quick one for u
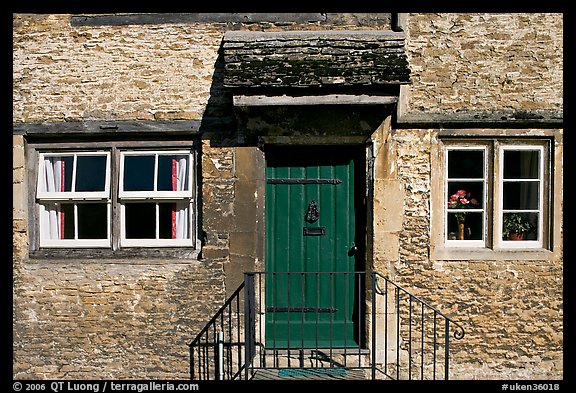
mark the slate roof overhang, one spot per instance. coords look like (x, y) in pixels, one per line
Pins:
(351, 63)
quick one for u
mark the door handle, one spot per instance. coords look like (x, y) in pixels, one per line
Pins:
(352, 251)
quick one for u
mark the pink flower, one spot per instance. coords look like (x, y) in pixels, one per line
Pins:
(461, 199)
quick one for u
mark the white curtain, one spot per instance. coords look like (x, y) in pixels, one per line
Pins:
(180, 209)
(53, 182)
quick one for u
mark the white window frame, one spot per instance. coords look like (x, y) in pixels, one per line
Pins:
(156, 197)
(135, 195)
(43, 201)
(495, 147)
(72, 195)
(74, 198)
(500, 203)
(482, 209)
(74, 243)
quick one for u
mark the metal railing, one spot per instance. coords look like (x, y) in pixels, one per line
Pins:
(287, 322)
(415, 342)
(217, 352)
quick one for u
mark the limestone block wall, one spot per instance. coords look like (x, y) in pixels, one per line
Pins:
(512, 310)
(108, 320)
(153, 72)
(478, 62)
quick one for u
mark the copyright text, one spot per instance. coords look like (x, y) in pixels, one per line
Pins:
(103, 386)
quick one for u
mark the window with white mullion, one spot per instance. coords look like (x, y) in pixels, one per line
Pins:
(150, 224)
(512, 177)
(75, 217)
(155, 171)
(156, 198)
(73, 175)
(73, 197)
(148, 174)
(115, 197)
(74, 171)
(521, 196)
(75, 224)
(465, 188)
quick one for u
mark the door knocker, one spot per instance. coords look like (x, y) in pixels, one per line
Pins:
(312, 214)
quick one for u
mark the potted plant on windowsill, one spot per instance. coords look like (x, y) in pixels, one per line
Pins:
(515, 226)
(462, 199)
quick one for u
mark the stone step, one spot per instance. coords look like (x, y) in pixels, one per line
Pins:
(336, 358)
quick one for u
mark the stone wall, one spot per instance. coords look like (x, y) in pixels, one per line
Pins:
(479, 63)
(115, 319)
(108, 320)
(152, 72)
(160, 71)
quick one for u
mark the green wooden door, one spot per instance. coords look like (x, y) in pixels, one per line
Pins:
(312, 292)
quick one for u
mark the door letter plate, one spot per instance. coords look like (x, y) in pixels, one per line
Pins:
(314, 231)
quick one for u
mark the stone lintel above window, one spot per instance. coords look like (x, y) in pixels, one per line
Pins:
(230, 20)
(111, 129)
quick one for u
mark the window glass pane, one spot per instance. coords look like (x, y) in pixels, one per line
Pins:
(172, 173)
(138, 173)
(67, 221)
(465, 195)
(520, 226)
(521, 164)
(167, 220)
(92, 220)
(140, 220)
(465, 226)
(520, 195)
(466, 164)
(90, 173)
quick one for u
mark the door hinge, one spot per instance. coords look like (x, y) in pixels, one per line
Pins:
(304, 181)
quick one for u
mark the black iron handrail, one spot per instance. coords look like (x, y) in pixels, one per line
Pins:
(436, 320)
(222, 331)
(408, 338)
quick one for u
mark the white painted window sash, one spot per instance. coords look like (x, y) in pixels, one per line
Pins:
(50, 215)
(156, 197)
(46, 241)
(155, 194)
(43, 194)
(500, 203)
(157, 242)
(449, 214)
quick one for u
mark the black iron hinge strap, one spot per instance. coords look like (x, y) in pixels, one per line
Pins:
(304, 181)
(301, 309)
